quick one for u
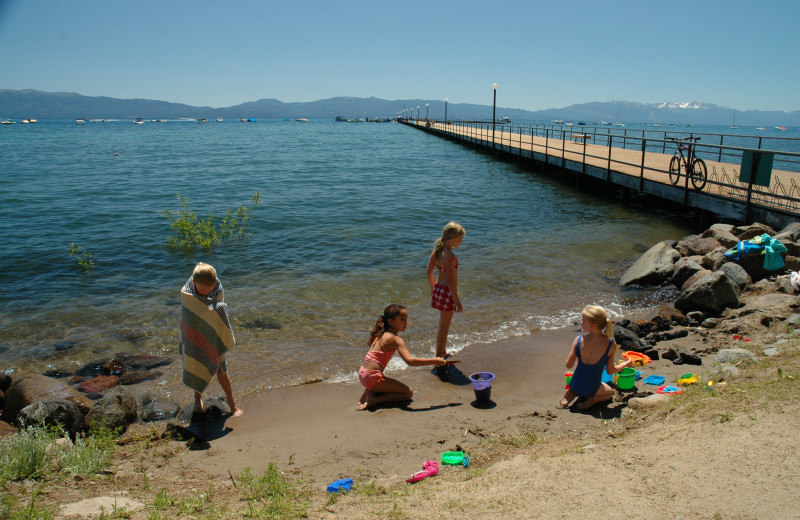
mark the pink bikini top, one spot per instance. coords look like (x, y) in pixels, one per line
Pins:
(380, 357)
(444, 267)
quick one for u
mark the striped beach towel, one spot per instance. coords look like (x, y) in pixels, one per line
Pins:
(206, 335)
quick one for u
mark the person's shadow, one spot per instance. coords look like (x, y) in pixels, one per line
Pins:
(202, 428)
(406, 406)
(451, 374)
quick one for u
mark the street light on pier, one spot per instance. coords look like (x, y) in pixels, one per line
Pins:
(445, 111)
(426, 111)
(494, 107)
(417, 112)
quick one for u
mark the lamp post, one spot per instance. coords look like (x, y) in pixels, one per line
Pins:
(426, 111)
(417, 112)
(494, 107)
(445, 111)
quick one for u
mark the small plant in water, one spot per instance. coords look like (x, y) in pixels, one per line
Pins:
(191, 232)
(84, 257)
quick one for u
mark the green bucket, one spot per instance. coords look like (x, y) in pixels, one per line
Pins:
(626, 378)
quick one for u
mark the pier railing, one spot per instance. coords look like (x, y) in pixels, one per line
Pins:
(645, 154)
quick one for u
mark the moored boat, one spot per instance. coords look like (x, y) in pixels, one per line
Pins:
(80, 121)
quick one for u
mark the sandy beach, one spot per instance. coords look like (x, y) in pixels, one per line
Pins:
(316, 428)
(731, 453)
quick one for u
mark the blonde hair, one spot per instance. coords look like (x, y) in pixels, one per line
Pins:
(204, 274)
(599, 317)
(451, 230)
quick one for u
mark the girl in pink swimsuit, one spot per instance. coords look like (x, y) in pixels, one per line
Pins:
(444, 288)
(384, 342)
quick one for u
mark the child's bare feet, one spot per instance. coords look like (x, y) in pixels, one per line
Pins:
(564, 402)
(237, 412)
(361, 406)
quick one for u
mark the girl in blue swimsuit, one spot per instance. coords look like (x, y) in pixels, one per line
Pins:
(593, 351)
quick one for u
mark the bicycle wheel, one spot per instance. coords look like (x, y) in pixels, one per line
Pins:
(675, 169)
(699, 174)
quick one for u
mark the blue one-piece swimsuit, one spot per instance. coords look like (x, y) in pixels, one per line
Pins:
(587, 379)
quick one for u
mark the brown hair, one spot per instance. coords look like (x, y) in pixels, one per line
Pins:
(204, 274)
(380, 326)
(451, 230)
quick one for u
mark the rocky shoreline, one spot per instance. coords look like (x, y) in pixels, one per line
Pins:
(719, 298)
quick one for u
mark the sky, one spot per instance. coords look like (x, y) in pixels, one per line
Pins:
(542, 54)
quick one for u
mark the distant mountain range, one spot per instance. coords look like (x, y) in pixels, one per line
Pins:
(17, 104)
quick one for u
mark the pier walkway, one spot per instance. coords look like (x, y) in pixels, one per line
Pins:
(641, 163)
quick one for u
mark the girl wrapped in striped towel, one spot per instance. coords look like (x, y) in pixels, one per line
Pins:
(206, 335)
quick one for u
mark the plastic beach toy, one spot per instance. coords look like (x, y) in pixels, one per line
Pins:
(626, 378)
(452, 458)
(430, 468)
(687, 379)
(568, 376)
(343, 484)
(669, 390)
(482, 385)
(638, 358)
(653, 380)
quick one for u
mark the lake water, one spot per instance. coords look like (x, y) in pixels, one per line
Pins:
(348, 217)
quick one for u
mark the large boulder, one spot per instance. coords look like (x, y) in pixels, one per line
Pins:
(652, 268)
(5, 381)
(6, 429)
(753, 230)
(711, 294)
(626, 338)
(684, 269)
(116, 410)
(53, 412)
(721, 235)
(30, 388)
(736, 273)
(697, 246)
(692, 279)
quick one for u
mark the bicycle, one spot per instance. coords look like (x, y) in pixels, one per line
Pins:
(693, 167)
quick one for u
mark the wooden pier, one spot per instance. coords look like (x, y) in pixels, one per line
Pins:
(639, 164)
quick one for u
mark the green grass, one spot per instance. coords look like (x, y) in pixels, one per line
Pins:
(274, 496)
(41, 453)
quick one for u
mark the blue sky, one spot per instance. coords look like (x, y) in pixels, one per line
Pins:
(542, 53)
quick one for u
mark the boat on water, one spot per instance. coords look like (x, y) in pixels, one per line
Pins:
(780, 128)
(219, 120)
(7, 122)
(32, 120)
(302, 119)
(341, 119)
(202, 120)
(139, 121)
(80, 121)
(761, 128)
(355, 120)
(558, 121)
(504, 119)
